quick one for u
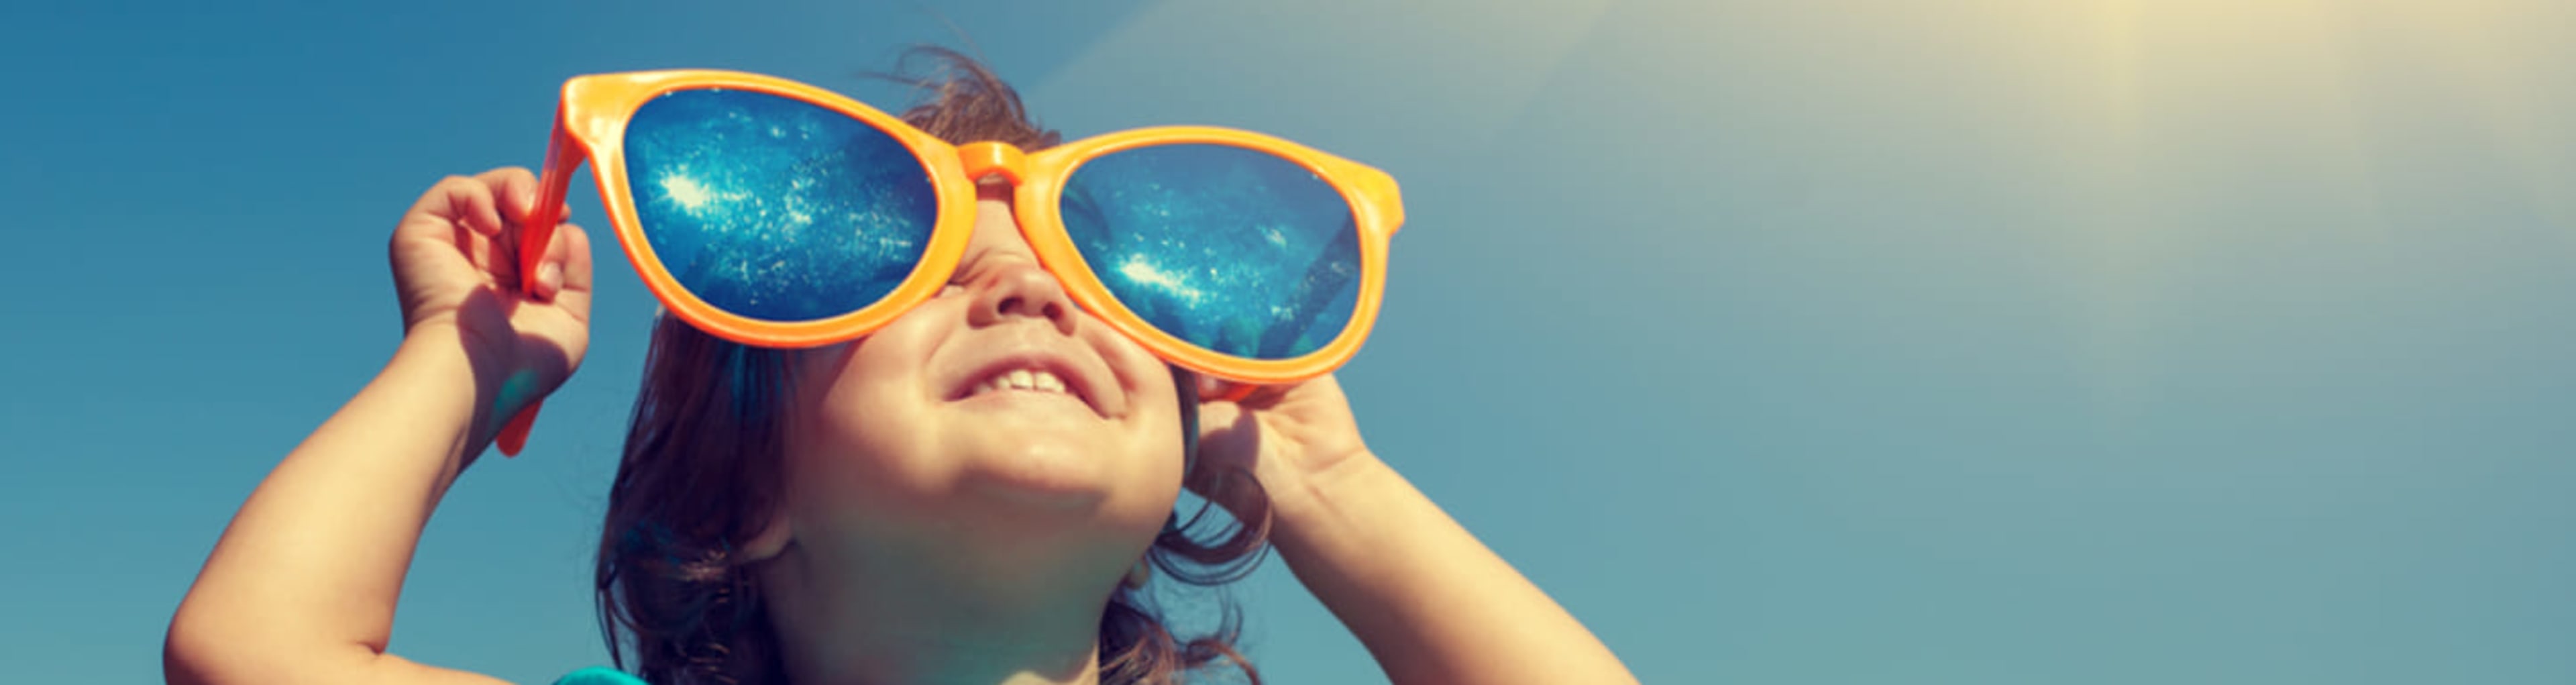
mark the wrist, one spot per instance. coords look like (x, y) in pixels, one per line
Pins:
(449, 343)
(1332, 506)
(448, 362)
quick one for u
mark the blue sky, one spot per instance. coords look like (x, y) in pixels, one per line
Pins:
(2103, 341)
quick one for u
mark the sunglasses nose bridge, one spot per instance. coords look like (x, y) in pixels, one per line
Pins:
(988, 158)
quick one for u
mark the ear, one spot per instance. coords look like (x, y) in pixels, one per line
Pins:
(772, 538)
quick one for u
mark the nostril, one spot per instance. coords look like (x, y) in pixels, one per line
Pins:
(1015, 304)
(1020, 292)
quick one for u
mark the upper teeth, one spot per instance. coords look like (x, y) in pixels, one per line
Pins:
(1023, 379)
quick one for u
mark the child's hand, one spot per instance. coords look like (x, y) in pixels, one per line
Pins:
(456, 270)
(1293, 438)
(1430, 601)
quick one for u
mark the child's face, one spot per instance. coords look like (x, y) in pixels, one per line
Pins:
(926, 437)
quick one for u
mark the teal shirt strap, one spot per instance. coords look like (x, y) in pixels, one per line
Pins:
(599, 675)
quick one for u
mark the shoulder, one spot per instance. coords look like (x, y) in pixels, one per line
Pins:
(599, 675)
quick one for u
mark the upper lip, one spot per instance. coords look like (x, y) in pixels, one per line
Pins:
(1084, 385)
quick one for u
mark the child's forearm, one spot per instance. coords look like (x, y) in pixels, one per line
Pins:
(302, 586)
(1429, 601)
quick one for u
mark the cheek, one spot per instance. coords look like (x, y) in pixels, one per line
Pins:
(1155, 423)
(841, 443)
(842, 417)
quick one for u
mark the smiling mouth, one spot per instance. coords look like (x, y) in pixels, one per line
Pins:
(1040, 380)
(1027, 380)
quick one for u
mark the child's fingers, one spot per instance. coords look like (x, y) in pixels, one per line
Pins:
(515, 188)
(463, 201)
(513, 191)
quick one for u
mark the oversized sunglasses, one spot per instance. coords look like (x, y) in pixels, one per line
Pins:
(778, 214)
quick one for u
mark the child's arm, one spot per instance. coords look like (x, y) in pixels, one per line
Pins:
(1432, 603)
(302, 586)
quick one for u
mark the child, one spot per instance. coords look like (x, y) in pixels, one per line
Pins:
(975, 492)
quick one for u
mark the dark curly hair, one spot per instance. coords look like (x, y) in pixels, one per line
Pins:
(704, 461)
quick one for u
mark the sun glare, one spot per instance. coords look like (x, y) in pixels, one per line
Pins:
(686, 191)
(1145, 273)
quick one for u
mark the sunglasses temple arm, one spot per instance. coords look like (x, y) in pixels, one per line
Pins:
(563, 157)
(1234, 392)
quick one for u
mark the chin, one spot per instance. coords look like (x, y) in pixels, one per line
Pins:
(1053, 477)
(1059, 485)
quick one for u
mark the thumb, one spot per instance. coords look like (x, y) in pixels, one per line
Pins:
(1227, 433)
(564, 276)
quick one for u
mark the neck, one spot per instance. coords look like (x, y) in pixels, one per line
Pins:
(908, 624)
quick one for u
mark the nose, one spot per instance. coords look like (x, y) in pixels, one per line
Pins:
(1021, 289)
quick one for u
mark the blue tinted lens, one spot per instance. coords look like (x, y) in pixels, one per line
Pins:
(1232, 249)
(774, 208)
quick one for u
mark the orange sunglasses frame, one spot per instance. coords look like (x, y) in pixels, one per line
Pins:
(591, 124)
